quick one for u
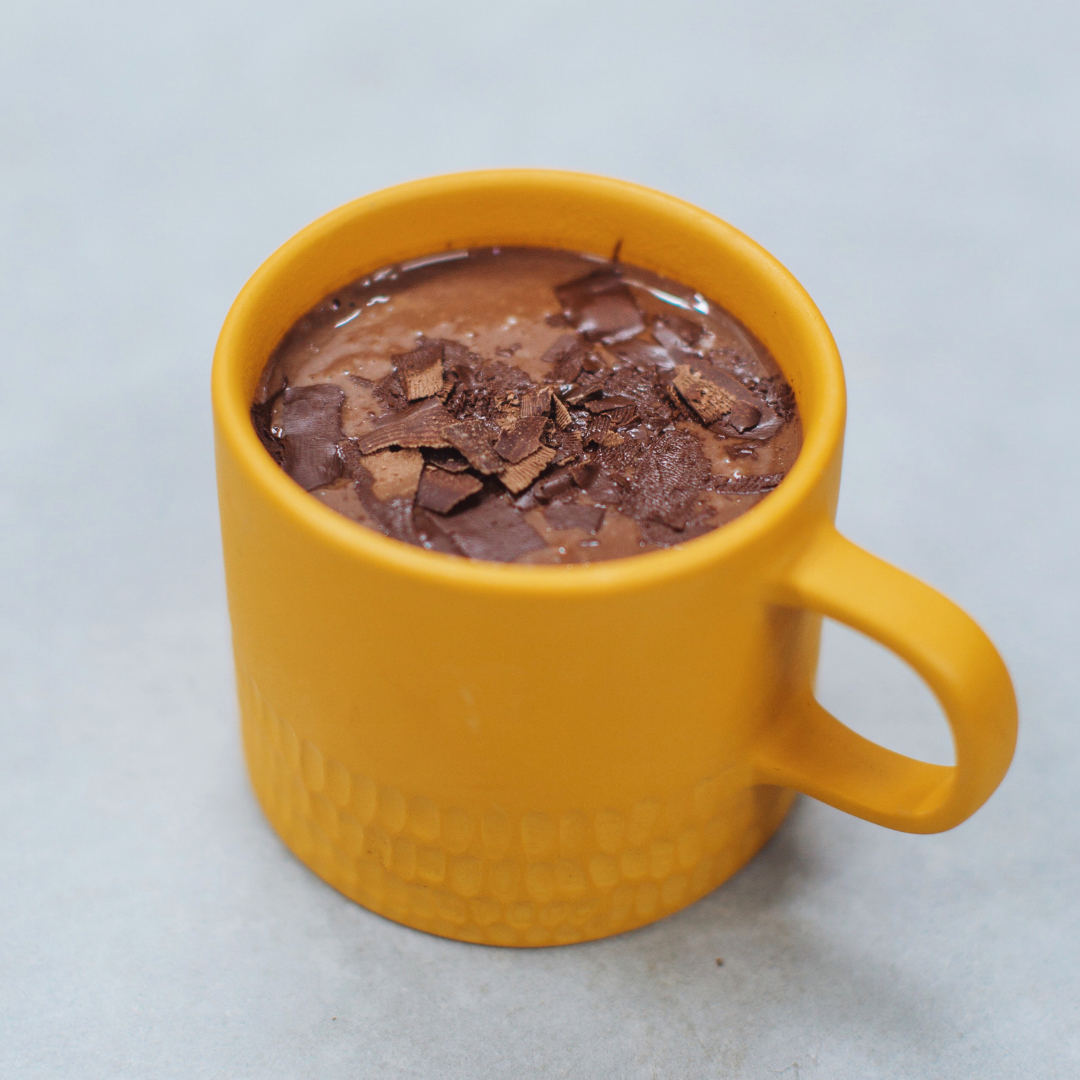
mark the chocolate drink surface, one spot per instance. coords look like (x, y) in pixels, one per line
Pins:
(527, 405)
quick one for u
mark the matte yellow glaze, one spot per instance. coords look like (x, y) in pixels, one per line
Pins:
(526, 755)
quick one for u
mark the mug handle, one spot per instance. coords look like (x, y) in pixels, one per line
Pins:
(813, 752)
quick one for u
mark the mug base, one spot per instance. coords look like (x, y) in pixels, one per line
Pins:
(432, 869)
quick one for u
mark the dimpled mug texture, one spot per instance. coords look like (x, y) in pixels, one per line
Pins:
(526, 755)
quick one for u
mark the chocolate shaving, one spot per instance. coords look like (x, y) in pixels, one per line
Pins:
(448, 460)
(563, 419)
(644, 354)
(663, 535)
(391, 392)
(475, 439)
(587, 386)
(432, 533)
(626, 416)
(521, 440)
(493, 529)
(677, 332)
(609, 402)
(442, 491)
(704, 396)
(668, 479)
(425, 424)
(311, 430)
(262, 419)
(747, 485)
(536, 401)
(520, 475)
(572, 515)
(568, 446)
(394, 474)
(565, 345)
(601, 307)
(559, 483)
(585, 473)
(421, 371)
(597, 428)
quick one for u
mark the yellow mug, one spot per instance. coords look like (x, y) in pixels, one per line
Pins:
(530, 755)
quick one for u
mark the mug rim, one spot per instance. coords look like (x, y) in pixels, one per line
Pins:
(821, 438)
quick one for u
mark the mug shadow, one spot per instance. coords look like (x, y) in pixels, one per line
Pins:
(785, 972)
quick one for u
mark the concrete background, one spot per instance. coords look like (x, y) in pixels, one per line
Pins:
(915, 165)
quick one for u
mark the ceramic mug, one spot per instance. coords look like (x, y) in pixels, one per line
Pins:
(527, 755)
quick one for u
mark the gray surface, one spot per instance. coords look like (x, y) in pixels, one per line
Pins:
(916, 168)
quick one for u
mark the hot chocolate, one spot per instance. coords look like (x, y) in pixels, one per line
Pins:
(527, 405)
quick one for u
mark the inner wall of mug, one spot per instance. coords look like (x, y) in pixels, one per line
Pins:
(548, 209)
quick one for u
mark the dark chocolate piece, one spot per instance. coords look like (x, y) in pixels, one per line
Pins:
(391, 392)
(563, 419)
(421, 371)
(433, 534)
(311, 430)
(596, 429)
(669, 477)
(519, 476)
(588, 385)
(261, 418)
(568, 446)
(708, 400)
(559, 483)
(677, 333)
(601, 307)
(608, 402)
(747, 485)
(644, 354)
(657, 532)
(449, 460)
(522, 439)
(493, 529)
(476, 441)
(442, 491)
(536, 401)
(572, 515)
(424, 424)
(585, 473)
(563, 346)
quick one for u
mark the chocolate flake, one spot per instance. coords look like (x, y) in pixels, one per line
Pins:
(442, 491)
(585, 473)
(597, 428)
(564, 346)
(421, 371)
(559, 483)
(609, 402)
(587, 386)
(521, 440)
(493, 529)
(747, 485)
(448, 460)
(424, 424)
(311, 430)
(261, 419)
(536, 401)
(708, 400)
(520, 475)
(395, 474)
(475, 440)
(677, 333)
(568, 446)
(601, 307)
(572, 515)
(669, 478)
